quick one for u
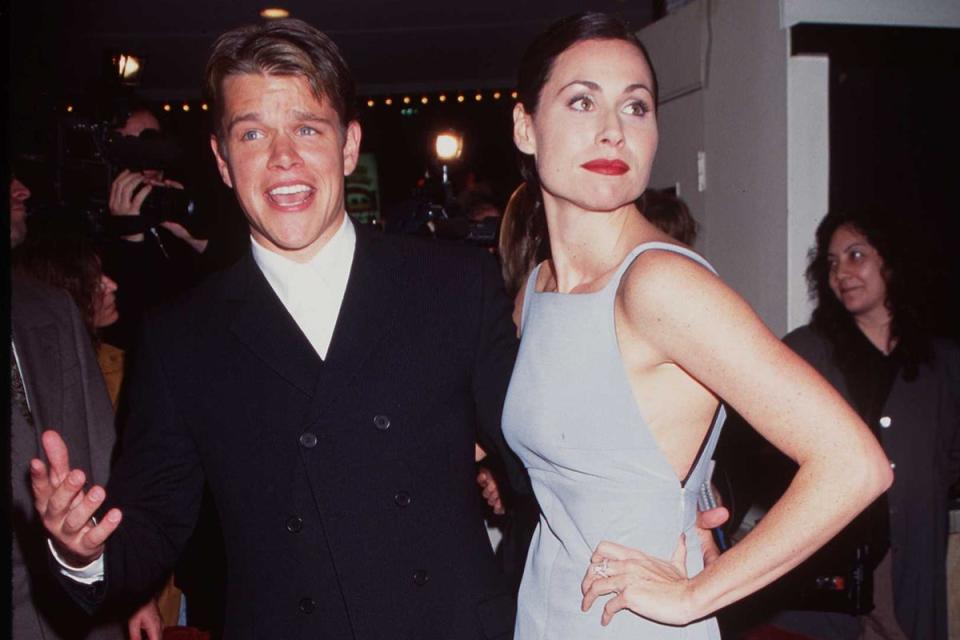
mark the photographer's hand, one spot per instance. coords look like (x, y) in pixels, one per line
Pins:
(130, 189)
(127, 193)
(197, 244)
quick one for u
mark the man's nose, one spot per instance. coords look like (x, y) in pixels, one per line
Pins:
(283, 153)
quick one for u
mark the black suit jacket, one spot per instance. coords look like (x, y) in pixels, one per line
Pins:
(346, 488)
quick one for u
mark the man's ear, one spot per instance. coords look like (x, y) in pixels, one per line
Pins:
(221, 162)
(351, 147)
(523, 135)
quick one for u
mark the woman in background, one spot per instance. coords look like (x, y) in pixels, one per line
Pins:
(628, 340)
(867, 337)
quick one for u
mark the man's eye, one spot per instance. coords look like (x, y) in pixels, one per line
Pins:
(251, 135)
(307, 131)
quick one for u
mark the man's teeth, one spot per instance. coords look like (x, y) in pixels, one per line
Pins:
(289, 190)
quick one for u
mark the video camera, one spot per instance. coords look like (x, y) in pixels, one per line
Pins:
(91, 155)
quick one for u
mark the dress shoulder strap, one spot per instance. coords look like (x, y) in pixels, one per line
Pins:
(664, 246)
(528, 293)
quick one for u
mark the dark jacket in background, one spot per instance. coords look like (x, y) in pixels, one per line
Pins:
(67, 394)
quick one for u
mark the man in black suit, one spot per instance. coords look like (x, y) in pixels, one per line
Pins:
(328, 388)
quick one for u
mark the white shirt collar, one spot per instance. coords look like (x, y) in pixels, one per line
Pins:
(312, 292)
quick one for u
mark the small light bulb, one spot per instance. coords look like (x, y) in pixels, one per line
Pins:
(166, 107)
(274, 13)
(460, 98)
(442, 97)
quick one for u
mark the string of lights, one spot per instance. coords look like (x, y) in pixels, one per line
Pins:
(371, 102)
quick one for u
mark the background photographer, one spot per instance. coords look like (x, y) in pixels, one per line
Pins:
(152, 254)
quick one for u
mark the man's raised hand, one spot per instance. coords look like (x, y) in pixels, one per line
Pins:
(65, 509)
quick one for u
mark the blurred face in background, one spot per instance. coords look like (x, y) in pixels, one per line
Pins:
(19, 194)
(105, 303)
(136, 124)
(857, 273)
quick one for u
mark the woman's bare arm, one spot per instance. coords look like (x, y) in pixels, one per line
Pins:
(686, 316)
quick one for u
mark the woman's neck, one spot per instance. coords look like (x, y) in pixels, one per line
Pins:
(585, 246)
(875, 325)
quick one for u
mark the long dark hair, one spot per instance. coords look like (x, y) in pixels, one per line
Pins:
(526, 242)
(902, 275)
(61, 253)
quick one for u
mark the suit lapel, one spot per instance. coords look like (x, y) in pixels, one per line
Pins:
(264, 326)
(366, 316)
(40, 364)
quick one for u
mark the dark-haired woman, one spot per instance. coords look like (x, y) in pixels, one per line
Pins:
(628, 341)
(867, 338)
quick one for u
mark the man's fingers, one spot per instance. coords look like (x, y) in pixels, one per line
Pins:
(40, 482)
(57, 455)
(97, 536)
(140, 197)
(64, 495)
(80, 515)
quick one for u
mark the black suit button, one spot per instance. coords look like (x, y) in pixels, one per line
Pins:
(381, 422)
(294, 524)
(402, 498)
(421, 577)
(308, 440)
(307, 605)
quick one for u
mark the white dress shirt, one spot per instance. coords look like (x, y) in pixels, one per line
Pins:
(312, 293)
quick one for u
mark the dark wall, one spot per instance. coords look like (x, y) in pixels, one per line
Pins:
(895, 135)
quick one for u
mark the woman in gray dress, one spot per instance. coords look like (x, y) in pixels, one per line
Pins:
(629, 341)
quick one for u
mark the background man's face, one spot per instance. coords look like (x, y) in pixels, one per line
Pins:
(285, 154)
(137, 123)
(19, 194)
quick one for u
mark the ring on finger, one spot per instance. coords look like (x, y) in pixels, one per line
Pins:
(602, 569)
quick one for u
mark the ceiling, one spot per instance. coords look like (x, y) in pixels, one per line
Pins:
(423, 45)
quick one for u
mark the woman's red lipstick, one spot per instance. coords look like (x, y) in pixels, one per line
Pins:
(607, 167)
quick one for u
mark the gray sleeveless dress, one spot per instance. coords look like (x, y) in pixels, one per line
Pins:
(596, 469)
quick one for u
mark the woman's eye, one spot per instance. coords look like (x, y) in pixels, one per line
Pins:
(638, 108)
(581, 103)
(856, 255)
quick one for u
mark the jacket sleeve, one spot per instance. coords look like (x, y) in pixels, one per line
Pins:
(495, 355)
(157, 481)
